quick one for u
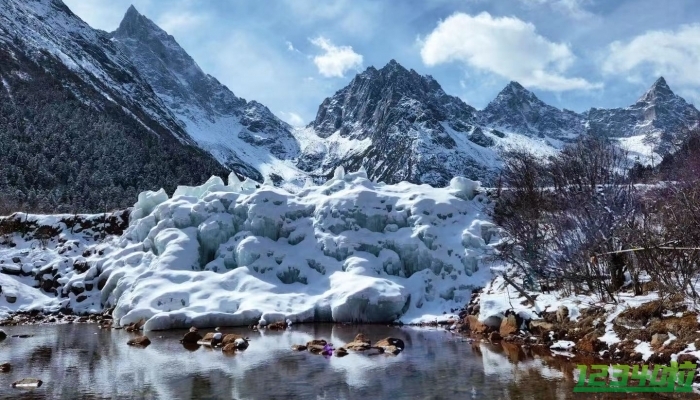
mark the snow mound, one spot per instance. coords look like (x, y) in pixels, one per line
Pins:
(349, 250)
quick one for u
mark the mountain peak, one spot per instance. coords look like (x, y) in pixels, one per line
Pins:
(514, 85)
(517, 109)
(659, 90)
(134, 21)
(131, 13)
(393, 65)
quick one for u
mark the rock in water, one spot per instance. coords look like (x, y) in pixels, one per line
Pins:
(3, 335)
(6, 367)
(241, 344)
(230, 338)
(28, 383)
(298, 347)
(316, 342)
(191, 337)
(509, 326)
(141, 341)
(341, 352)
(360, 343)
(390, 341)
(390, 350)
(277, 326)
(229, 348)
(316, 348)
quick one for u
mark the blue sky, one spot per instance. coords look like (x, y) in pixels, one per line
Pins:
(291, 54)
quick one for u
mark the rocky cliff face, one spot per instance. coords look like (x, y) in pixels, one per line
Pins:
(240, 134)
(398, 125)
(80, 128)
(516, 109)
(660, 115)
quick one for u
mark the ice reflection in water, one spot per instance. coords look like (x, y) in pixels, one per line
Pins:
(84, 362)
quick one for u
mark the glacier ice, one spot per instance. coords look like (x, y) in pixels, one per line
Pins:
(349, 250)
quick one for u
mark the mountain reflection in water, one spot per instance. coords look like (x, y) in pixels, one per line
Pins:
(83, 362)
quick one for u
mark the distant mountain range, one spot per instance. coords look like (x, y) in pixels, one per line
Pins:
(91, 118)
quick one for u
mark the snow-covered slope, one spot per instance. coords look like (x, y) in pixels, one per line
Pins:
(400, 125)
(348, 250)
(657, 120)
(240, 134)
(48, 26)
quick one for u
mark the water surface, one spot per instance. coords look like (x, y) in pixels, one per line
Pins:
(80, 361)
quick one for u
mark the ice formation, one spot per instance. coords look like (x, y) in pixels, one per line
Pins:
(349, 250)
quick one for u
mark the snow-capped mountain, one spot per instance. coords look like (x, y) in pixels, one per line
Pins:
(516, 109)
(40, 28)
(398, 125)
(240, 134)
(658, 119)
(80, 128)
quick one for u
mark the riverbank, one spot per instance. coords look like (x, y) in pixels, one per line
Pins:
(637, 329)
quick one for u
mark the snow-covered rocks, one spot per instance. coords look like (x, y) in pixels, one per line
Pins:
(349, 250)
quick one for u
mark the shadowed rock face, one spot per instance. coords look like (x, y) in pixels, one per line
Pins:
(210, 112)
(516, 109)
(409, 121)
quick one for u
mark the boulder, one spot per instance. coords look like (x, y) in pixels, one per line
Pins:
(213, 339)
(509, 326)
(562, 314)
(389, 349)
(3, 335)
(590, 343)
(27, 383)
(299, 347)
(230, 338)
(390, 341)
(316, 348)
(341, 352)
(191, 337)
(5, 367)
(239, 344)
(539, 327)
(277, 326)
(229, 348)
(136, 326)
(141, 341)
(475, 325)
(316, 342)
(361, 343)
(687, 357)
(658, 339)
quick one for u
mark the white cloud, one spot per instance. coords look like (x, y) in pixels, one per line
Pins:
(506, 46)
(335, 60)
(573, 8)
(673, 54)
(292, 118)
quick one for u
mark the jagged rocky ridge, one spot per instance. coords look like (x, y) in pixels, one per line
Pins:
(80, 129)
(142, 110)
(660, 116)
(241, 135)
(398, 125)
